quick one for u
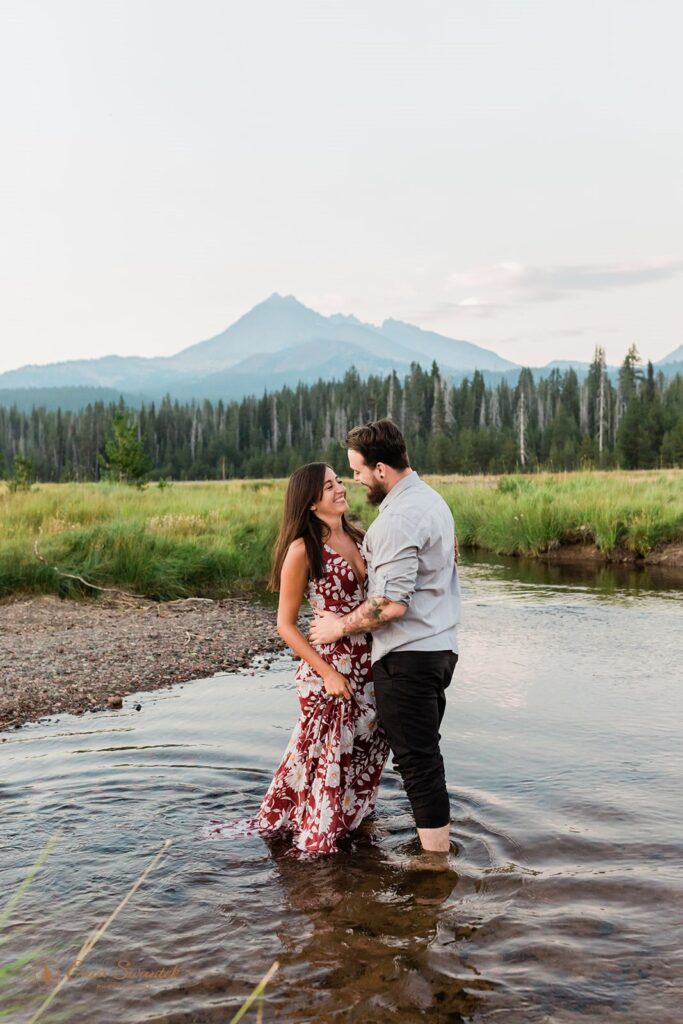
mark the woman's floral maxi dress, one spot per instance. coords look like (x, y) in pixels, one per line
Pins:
(328, 778)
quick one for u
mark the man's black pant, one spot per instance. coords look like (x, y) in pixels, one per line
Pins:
(409, 690)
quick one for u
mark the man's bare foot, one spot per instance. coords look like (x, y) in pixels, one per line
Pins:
(430, 861)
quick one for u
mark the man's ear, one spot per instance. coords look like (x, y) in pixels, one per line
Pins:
(380, 469)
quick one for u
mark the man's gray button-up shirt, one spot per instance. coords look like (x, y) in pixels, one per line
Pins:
(410, 551)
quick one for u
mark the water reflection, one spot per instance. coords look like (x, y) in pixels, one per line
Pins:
(599, 578)
(563, 897)
(376, 930)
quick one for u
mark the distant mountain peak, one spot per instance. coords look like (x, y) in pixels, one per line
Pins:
(280, 330)
(277, 301)
(344, 318)
(673, 357)
(447, 352)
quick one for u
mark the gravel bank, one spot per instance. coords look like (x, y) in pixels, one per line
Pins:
(72, 656)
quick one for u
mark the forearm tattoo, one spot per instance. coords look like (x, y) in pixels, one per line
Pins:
(366, 617)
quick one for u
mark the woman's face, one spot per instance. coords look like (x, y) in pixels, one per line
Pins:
(332, 501)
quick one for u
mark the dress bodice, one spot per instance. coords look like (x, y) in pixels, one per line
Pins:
(339, 589)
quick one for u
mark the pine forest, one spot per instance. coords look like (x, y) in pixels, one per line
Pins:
(556, 423)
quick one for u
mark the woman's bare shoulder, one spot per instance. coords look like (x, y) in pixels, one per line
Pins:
(295, 563)
(296, 552)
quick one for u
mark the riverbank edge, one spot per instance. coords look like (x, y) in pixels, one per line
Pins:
(666, 555)
(64, 656)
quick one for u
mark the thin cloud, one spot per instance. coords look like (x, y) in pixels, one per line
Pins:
(471, 306)
(550, 284)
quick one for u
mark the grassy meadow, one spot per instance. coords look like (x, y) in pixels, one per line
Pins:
(211, 538)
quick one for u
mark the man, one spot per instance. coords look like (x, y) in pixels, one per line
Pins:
(412, 608)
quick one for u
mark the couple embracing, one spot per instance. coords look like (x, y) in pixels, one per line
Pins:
(380, 653)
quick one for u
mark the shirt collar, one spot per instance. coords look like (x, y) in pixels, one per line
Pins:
(408, 481)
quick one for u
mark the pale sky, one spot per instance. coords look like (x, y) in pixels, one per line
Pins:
(501, 171)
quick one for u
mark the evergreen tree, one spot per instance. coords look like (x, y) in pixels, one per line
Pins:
(672, 446)
(124, 457)
(23, 474)
(630, 374)
(467, 427)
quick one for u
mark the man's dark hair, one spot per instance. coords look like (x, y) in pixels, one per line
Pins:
(379, 441)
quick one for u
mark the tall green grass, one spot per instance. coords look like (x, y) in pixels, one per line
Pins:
(530, 515)
(210, 539)
(164, 543)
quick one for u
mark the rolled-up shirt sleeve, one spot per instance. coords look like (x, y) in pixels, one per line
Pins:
(394, 560)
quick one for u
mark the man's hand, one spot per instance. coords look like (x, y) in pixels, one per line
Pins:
(457, 548)
(373, 613)
(326, 628)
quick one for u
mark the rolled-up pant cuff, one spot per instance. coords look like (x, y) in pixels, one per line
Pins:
(409, 691)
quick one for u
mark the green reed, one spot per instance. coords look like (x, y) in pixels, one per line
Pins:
(530, 515)
(210, 539)
(10, 969)
(164, 543)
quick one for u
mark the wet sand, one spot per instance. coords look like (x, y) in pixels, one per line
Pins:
(60, 656)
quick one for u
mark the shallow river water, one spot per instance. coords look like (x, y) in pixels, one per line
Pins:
(564, 897)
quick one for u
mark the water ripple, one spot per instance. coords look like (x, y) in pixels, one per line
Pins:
(562, 900)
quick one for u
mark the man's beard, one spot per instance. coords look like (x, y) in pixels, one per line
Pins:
(376, 494)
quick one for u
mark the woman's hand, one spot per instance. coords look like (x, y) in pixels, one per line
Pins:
(337, 685)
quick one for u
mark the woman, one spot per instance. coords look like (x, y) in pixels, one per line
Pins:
(327, 781)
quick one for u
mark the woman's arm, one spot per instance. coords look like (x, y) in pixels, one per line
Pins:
(293, 581)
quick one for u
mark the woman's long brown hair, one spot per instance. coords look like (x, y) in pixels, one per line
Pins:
(304, 488)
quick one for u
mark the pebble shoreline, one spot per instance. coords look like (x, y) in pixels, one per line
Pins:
(65, 656)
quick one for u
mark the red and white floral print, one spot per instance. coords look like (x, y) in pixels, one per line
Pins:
(327, 781)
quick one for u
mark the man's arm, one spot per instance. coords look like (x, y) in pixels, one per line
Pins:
(395, 565)
(371, 614)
